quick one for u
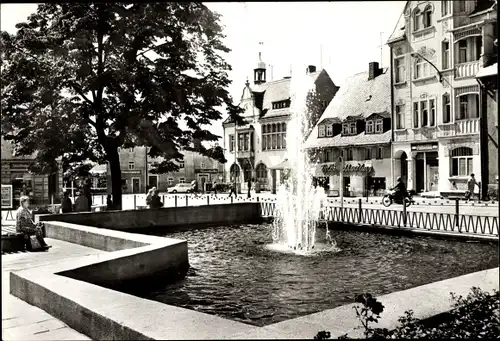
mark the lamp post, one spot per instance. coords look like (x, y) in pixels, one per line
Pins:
(416, 54)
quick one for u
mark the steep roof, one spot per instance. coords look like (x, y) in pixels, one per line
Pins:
(359, 98)
(399, 30)
(345, 141)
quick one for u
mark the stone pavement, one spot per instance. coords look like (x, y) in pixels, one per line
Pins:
(22, 321)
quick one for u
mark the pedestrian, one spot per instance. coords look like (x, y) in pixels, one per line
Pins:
(249, 184)
(81, 202)
(109, 203)
(150, 195)
(66, 204)
(471, 185)
(215, 188)
(32, 233)
(87, 192)
(232, 189)
(194, 188)
(155, 200)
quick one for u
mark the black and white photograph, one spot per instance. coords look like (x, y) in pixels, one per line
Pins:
(249, 170)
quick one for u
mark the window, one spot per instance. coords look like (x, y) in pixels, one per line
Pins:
(261, 172)
(328, 155)
(274, 136)
(246, 146)
(427, 17)
(181, 164)
(400, 117)
(379, 126)
(131, 165)
(415, 115)
(352, 128)
(368, 153)
(461, 161)
(380, 153)
(349, 154)
(369, 127)
(281, 104)
(446, 108)
(329, 130)
(461, 6)
(399, 69)
(424, 113)
(446, 55)
(131, 150)
(231, 143)
(417, 17)
(444, 8)
(432, 113)
(462, 51)
(464, 108)
(240, 142)
(170, 181)
(345, 129)
(182, 180)
(422, 69)
(468, 107)
(321, 131)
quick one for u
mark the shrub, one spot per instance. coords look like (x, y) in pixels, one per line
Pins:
(476, 316)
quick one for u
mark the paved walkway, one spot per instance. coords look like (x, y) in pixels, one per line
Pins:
(22, 321)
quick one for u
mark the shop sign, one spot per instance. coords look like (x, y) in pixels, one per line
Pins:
(211, 171)
(6, 196)
(359, 168)
(424, 147)
(131, 172)
(15, 165)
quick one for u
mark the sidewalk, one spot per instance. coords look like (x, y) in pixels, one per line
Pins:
(22, 321)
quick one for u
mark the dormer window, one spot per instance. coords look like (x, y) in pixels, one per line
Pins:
(379, 126)
(281, 104)
(329, 130)
(369, 127)
(349, 128)
(321, 131)
(375, 126)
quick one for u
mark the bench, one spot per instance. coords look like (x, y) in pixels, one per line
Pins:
(12, 241)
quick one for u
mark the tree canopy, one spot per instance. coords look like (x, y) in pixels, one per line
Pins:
(80, 80)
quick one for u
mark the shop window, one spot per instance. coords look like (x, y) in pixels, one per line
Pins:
(461, 161)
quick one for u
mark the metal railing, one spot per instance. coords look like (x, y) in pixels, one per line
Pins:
(447, 222)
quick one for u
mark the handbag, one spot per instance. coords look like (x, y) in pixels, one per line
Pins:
(34, 243)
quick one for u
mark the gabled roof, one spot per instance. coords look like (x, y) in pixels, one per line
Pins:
(358, 97)
(333, 120)
(384, 114)
(362, 139)
(399, 30)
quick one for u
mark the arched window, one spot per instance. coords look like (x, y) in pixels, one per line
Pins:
(417, 17)
(461, 161)
(235, 172)
(261, 172)
(427, 17)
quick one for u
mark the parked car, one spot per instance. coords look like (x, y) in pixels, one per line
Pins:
(180, 188)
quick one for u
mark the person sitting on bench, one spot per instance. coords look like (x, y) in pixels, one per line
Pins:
(32, 232)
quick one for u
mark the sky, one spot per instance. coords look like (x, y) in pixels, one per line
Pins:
(341, 36)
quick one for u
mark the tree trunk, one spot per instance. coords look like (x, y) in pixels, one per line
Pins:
(116, 178)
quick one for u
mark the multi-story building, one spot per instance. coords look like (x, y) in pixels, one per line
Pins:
(437, 48)
(136, 178)
(257, 150)
(355, 126)
(42, 189)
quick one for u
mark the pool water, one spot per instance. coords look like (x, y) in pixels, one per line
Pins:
(235, 275)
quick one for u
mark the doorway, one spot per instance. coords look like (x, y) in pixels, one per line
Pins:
(404, 168)
(203, 179)
(136, 185)
(347, 186)
(419, 175)
(153, 181)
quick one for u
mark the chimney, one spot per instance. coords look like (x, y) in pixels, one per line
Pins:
(310, 69)
(373, 70)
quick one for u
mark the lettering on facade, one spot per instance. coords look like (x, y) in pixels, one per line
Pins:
(212, 171)
(14, 165)
(424, 147)
(359, 168)
(131, 172)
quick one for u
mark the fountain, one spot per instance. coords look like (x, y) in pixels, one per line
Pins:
(299, 203)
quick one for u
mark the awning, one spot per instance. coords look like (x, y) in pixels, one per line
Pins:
(283, 165)
(99, 170)
(491, 70)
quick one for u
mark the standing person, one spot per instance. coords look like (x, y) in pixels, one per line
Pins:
(249, 185)
(81, 202)
(87, 192)
(215, 188)
(471, 185)
(194, 188)
(33, 233)
(155, 200)
(232, 189)
(109, 203)
(66, 204)
(149, 197)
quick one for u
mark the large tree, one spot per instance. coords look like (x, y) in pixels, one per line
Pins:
(80, 80)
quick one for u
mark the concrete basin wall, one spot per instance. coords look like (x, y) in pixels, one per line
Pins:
(164, 217)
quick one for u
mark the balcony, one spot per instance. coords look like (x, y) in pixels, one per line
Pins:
(245, 154)
(467, 70)
(468, 126)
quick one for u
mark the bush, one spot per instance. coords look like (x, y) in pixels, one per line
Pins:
(476, 316)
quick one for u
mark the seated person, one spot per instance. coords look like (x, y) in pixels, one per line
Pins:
(400, 189)
(155, 200)
(26, 225)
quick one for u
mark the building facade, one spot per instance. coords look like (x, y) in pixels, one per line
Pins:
(353, 137)
(257, 150)
(136, 178)
(43, 189)
(437, 48)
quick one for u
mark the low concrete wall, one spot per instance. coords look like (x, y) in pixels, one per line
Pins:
(164, 217)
